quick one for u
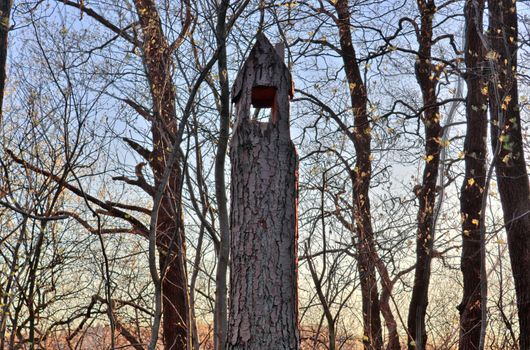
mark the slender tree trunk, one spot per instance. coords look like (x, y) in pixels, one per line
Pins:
(220, 313)
(5, 14)
(317, 280)
(475, 177)
(384, 303)
(361, 138)
(427, 76)
(512, 176)
(203, 210)
(263, 272)
(175, 299)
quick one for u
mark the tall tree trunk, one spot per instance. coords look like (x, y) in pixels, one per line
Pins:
(263, 272)
(427, 75)
(474, 182)
(512, 176)
(170, 230)
(220, 313)
(372, 336)
(175, 299)
(5, 14)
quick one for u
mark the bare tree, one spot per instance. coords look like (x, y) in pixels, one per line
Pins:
(507, 143)
(427, 75)
(361, 138)
(220, 315)
(474, 182)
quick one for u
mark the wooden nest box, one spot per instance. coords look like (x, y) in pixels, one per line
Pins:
(264, 81)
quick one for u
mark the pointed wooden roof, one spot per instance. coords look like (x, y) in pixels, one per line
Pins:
(264, 67)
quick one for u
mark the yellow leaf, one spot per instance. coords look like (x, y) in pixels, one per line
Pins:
(492, 56)
(475, 222)
(471, 181)
(506, 102)
(428, 158)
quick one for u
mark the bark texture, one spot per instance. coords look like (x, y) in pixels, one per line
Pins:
(475, 153)
(263, 275)
(427, 75)
(372, 337)
(512, 176)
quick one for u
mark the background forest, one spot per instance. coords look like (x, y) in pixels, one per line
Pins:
(410, 119)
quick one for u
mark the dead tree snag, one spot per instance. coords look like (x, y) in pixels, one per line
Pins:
(263, 275)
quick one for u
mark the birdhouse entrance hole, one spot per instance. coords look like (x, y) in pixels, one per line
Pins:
(263, 96)
(264, 103)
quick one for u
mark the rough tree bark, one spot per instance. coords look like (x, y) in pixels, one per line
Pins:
(372, 337)
(506, 138)
(475, 153)
(427, 75)
(263, 274)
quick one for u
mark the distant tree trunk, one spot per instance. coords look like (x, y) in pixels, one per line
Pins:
(475, 153)
(5, 14)
(372, 337)
(220, 313)
(427, 75)
(263, 272)
(512, 176)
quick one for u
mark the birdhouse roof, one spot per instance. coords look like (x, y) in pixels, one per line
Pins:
(264, 67)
